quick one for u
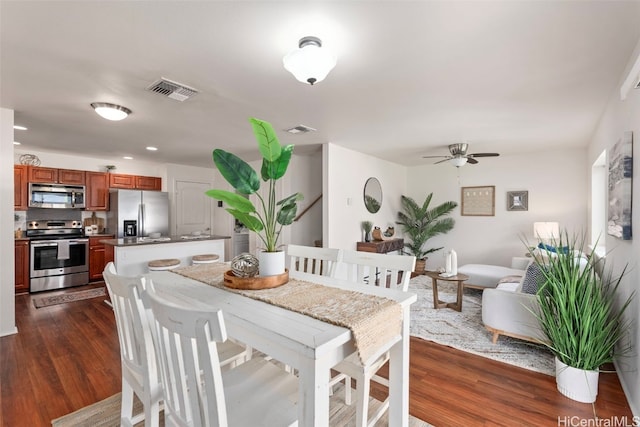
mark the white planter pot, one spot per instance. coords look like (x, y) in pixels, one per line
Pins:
(271, 263)
(577, 384)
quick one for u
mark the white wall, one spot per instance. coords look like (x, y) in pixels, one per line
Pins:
(621, 116)
(345, 173)
(557, 185)
(7, 275)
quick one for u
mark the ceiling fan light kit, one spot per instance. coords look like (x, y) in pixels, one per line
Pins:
(310, 63)
(459, 156)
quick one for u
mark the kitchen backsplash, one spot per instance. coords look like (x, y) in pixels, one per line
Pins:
(21, 217)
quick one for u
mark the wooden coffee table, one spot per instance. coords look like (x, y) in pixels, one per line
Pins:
(458, 278)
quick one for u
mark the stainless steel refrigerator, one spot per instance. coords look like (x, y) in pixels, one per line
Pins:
(136, 213)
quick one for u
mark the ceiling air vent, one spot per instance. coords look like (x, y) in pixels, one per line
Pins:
(172, 90)
(301, 129)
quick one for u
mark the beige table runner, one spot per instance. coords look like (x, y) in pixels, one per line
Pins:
(372, 320)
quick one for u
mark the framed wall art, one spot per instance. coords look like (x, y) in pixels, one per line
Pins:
(517, 200)
(620, 177)
(478, 201)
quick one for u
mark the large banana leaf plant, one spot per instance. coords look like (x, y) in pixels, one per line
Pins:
(272, 215)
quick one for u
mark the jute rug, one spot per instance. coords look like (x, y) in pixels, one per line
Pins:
(47, 300)
(465, 330)
(106, 413)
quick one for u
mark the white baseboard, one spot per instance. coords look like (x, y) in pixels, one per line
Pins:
(9, 332)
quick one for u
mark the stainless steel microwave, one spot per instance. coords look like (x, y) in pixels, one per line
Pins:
(59, 196)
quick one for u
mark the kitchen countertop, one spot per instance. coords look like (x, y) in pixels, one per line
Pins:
(135, 241)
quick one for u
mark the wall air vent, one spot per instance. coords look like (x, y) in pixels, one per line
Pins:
(172, 90)
(300, 129)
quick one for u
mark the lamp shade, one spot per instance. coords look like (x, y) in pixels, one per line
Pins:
(546, 230)
(310, 63)
(458, 161)
(111, 111)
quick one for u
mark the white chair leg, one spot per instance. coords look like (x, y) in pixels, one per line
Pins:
(151, 414)
(362, 403)
(347, 390)
(126, 409)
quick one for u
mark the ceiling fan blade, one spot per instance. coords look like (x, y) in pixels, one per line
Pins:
(483, 155)
(442, 161)
(433, 157)
(471, 160)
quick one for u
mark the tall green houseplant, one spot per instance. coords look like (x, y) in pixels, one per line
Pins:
(271, 215)
(420, 223)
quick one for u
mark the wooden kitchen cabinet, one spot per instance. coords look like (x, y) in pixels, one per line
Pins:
(20, 187)
(22, 266)
(135, 182)
(70, 176)
(97, 192)
(45, 175)
(99, 256)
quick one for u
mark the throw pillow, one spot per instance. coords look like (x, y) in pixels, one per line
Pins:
(533, 278)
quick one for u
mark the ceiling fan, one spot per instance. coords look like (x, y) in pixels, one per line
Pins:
(459, 156)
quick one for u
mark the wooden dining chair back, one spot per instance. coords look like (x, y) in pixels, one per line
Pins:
(392, 271)
(387, 270)
(196, 391)
(139, 369)
(313, 260)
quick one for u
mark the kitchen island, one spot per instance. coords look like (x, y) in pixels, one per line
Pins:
(131, 254)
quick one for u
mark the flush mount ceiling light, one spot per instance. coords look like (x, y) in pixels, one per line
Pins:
(310, 63)
(111, 111)
(18, 127)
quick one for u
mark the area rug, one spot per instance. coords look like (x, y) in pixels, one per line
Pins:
(106, 413)
(465, 330)
(45, 301)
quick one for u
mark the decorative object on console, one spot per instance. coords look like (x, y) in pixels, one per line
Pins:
(580, 316)
(372, 195)
(367, 226)
(517, 200)
(378, 234)
(420, 223)
(29, 159)
(478, 201)
(274, 214)
(620, 184)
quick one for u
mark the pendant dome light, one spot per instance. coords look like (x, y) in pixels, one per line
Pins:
(111, 111)
(310, 63)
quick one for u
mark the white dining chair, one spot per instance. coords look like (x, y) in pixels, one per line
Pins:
(139, 370)
(313, 260)
(371, 269)
(196, 391)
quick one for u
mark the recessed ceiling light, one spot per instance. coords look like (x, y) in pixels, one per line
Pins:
(19, 127)
(152, 148)
(128, 158)
(16, 143)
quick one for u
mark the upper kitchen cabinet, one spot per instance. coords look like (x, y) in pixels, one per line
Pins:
(97, 194)
(20, 187)
(135, 182)
(53, 175)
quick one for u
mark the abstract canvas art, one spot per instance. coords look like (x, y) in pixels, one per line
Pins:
(620, 182)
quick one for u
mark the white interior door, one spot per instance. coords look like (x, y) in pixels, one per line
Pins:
(193, 207)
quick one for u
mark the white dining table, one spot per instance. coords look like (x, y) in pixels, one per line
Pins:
(309, 345)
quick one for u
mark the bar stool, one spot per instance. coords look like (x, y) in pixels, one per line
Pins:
(204, 259)
(163, 264)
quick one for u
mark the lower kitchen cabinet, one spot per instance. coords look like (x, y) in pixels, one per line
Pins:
(99, 256)
(22, 266)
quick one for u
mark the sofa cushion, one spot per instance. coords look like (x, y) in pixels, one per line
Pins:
(533, 279)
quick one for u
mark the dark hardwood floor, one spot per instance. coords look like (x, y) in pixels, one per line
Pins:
(67, 356)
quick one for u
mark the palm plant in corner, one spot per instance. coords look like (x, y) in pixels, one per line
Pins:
(420, 223)
(581, 315)
(268, 219)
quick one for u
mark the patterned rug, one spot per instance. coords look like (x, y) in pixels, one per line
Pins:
(45, 301)
(106, 413)
(465, 330)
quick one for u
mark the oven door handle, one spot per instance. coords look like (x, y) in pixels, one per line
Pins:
(55, 242)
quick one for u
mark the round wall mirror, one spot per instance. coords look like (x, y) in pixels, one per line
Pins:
(372, 195)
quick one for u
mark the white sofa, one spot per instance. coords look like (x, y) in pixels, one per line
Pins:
(508, 310)
(483, 276)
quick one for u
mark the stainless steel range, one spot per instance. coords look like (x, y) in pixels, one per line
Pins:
(59, 254)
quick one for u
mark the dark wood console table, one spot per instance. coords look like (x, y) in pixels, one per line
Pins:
(381, 246)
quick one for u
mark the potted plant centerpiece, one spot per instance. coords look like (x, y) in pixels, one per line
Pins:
(271, 215)
(420, 223)
(578, 315)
